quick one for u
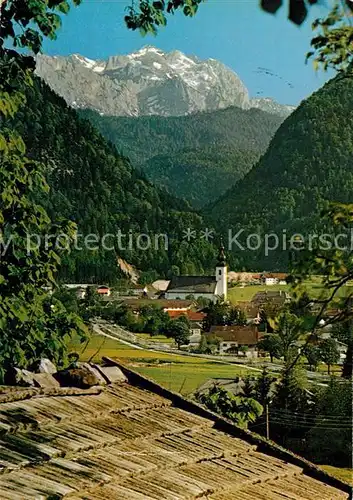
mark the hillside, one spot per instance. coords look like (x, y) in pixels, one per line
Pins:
(197, 156)
(102, 192)
(309, 162)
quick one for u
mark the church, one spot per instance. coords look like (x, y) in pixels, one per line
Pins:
(209, 287)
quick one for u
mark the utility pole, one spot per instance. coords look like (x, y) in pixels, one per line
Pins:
(267, 422)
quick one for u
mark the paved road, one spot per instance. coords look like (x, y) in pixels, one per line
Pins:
(102, 330)
(118, 333)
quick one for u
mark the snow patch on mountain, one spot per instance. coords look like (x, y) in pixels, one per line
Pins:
(271, 106)
(149, 81)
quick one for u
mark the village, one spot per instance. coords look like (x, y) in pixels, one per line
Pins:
(140, 357)
(174, 383)
(226, 314)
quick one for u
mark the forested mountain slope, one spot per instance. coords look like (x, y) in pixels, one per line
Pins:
(308, 164)
(196, 156)
(102, 192)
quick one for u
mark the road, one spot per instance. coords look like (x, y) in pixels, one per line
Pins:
(118, 333)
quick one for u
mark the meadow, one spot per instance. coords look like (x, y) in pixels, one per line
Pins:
(176, 372)
(246, 293)
(314, 288)
(187, 377)
(340, 473)
(159, 339)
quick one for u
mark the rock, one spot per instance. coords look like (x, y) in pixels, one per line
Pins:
(270, 106)
(46, 366)
(112, 374)
(77, 377)
(45, 380)
(95, 371)
(19, 376)
(147, 82)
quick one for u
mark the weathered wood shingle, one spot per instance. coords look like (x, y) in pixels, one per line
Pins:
(129, 443)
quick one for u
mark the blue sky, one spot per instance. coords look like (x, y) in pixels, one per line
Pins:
(236, 32)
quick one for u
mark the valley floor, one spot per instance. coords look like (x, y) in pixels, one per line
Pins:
(179, 373)
(245, 293)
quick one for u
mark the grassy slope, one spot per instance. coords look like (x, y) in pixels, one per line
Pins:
(343, 474)
(178, 373)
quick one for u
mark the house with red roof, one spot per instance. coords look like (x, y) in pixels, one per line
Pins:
(104, 291)
(196, 322)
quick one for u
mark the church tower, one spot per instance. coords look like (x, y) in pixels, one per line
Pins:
(221, 273)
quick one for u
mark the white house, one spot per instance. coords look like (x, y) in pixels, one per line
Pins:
(269, 280)
(274, 279)
(233, 338)
(208, 287)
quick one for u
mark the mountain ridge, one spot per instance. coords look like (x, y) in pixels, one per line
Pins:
(307, 165)
(94, 186)
(197, 156)
(149, 82)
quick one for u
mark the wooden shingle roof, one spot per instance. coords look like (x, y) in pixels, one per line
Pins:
(242, 335)
(137, 441)
(274, 296)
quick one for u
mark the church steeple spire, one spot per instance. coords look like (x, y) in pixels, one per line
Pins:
(221, 273)
(221, 259)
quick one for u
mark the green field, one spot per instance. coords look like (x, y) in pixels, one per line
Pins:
(246, 293)
(99, 346)
(176, 372)
(187, 377)
(343, 474)
(162, 339)
(314, 288)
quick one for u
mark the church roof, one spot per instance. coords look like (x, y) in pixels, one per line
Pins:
(135, 440)
(192, 284)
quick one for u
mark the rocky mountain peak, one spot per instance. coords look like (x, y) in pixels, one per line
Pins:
(147, 82)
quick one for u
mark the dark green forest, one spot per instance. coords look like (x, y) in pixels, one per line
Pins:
(308, 164)
(94, 186)
(196, 157)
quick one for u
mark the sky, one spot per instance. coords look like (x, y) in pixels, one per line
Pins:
(266, 51)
